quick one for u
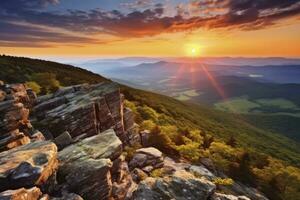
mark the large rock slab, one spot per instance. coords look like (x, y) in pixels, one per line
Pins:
(219, 196)
(64, 196)
(28, 165)
(84, 111)
(202, 171)
(179, 186)
(21, 194)
(85, 166)
(146, 158)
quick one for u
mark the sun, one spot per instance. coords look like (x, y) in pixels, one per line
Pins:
(192, 50)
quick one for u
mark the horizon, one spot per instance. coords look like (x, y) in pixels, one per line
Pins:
(151, 28)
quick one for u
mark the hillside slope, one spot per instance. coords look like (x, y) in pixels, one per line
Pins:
(221, 125)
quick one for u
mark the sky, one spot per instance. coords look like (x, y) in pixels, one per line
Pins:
(89, 28)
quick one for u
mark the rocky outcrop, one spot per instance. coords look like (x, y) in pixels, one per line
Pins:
(17, 93)
(147, 159)
(181, 185)
(28, 165)
(89, 125)
(21, 194)
(121, 179)
(86, 166)
(84, 111)
(14, 112)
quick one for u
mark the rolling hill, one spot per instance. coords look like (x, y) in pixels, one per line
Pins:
(222, 125)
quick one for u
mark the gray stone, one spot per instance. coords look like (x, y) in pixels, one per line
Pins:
(63, 140)
(21, 194)
(151, 151)
(64, 196)
(147, 157)
(219, 196)
(86, 166)
(179, 186)
(27, 165)
(201, 171)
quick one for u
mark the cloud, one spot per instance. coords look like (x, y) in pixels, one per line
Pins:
(137, 4)
(143, 18)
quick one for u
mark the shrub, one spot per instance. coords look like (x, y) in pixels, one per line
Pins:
(157, 173)
(34, 86)
(190, 151)
(148, 113)
(147, 125)
(47, 81)
(223, 181)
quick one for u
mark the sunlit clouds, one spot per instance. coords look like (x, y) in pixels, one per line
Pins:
(140, 27)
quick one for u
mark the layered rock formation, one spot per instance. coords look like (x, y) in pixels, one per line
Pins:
(86, 166)
(84, 111)
(15, 128)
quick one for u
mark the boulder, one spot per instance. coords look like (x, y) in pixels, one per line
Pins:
(37, 136)
(219, 196)
(64, 196)
(85, 166)
(63, 140)
(147, 157)
(145, 135)
(201, 171)
(13, 140)
(181, 185)
(121, 178)
(21, 194)
(172, 166)
(28, 165)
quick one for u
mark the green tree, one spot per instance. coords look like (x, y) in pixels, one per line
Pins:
(190, 151)
(47, 81)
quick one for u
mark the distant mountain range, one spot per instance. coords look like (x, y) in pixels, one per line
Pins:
(266, 92)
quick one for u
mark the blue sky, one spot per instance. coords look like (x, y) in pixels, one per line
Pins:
(54, 23)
